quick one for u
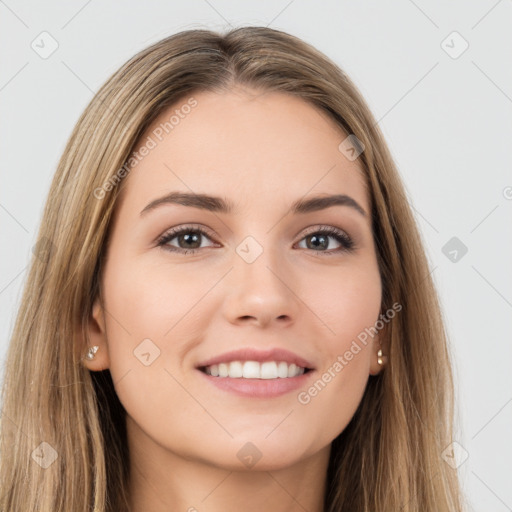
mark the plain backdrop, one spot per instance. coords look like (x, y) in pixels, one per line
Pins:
(437, 77)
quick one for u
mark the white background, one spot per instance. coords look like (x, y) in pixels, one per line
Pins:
(447, 122)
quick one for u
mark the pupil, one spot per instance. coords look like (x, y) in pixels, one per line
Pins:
(317, 238)
(187, 238)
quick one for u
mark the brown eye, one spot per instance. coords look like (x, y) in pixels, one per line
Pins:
(188, 239)
(318, 241)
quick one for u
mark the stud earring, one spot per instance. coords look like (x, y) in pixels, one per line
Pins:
(379, 356)
(91, 353)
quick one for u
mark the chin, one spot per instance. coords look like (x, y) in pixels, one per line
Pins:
(255, 453)
(267, 462)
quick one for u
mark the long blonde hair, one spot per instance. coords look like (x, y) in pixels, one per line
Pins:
(389, 456)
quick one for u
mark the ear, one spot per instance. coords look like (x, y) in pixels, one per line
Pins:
(96, 336)
(375, 367)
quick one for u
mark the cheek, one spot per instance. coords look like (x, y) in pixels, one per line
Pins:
(146, 319)
(349, 309)
(175, 306)
(172, 306)
(347, 301)
(149, 301)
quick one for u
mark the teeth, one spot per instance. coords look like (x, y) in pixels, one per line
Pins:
(254, 370)
(282, 370)
(251, 370)
(268, 370)
(223, 370)
(235, 369)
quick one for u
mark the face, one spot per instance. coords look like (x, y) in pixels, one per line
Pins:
(193, 291)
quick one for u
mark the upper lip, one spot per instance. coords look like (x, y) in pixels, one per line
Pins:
(251, 354)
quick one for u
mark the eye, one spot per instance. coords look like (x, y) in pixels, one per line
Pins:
(319, 238)
(189, 240)
(189, 236)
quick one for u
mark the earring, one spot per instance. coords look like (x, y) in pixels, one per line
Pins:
(379, 356)
(91, 353)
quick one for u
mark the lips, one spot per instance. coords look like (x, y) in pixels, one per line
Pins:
(258, 374)
(261, 356)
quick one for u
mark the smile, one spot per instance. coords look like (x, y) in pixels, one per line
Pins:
(254, 370)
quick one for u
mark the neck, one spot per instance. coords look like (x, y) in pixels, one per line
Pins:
(161, 480)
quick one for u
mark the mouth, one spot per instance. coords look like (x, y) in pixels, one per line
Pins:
(255, 370)
(256, 373)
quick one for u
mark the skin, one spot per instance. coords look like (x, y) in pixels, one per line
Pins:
(262, 152)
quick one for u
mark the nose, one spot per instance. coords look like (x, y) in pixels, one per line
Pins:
(263, 293)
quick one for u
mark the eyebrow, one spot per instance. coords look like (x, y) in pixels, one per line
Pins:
(220, 205)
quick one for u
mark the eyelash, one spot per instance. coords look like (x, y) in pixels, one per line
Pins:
(347, 244)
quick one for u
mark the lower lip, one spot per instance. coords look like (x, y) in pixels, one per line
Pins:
(258, 388)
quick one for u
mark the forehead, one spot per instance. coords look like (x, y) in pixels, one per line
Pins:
(247, 145)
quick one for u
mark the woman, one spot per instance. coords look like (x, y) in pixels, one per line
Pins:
(292, 358)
